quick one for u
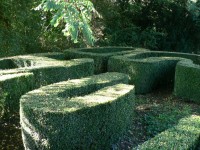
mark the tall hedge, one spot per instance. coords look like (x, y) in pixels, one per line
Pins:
(12, 87)
(21, 74)
(87, 113)
(99, 54)
(149, 70)
(187, 81)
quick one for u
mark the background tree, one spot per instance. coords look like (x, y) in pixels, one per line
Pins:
(159, 24)
(171, 25)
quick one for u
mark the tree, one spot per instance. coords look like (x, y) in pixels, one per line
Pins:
(75, 15)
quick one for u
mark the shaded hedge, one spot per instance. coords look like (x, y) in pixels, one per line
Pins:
(12, 86)
(149, 70)
(53, 55)
(169, 25)
(100, 55)
(187, 81)
(77, 114)
(183, 136)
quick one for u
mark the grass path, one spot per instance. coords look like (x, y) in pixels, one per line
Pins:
(154, 113)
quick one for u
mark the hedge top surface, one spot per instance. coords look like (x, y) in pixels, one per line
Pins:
(104, 51)
(34, 61)
(59, 97)
(11, 76)
(156, 56)
(68, 105)
(11, 71)
(102, 96)
(189, 63)
(27, 63)
(51, 97)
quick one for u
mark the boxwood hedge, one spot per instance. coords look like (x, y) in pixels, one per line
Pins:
(87, 113)
(44, 71)
(187, 81)
(149, 70)
(53, 55)
(100, 55)
(12, 86)
(184, 136)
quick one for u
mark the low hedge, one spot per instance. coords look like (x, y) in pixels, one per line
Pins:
(12, 86)
(149, 70)
(53, 55)
(77, 114)
(45, 71)
(66, 70)
(100, 55)
(184, 136)
(187, 81)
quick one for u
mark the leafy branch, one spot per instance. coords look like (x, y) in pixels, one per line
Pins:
(75, 14)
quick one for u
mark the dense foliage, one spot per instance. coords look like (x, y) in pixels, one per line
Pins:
(171, 25)
(160, 24)
(24, 30)
(19, 27)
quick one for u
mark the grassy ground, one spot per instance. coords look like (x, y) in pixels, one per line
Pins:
(154, 113)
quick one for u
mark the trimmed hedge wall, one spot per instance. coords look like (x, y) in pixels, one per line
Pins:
(187, 81)
(149, 70)
(100, 55)
(184, 136)
(45, 71)
(77, 114)
(53, 55)
(12, 86)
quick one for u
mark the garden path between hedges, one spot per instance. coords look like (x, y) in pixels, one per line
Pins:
(154, 113)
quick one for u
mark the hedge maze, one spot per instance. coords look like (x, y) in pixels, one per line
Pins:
(99, 55)
(62, 104)
(87, 113)
(152, 69)
(21, 74)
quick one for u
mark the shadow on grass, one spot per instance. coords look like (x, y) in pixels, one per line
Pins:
(155, 113)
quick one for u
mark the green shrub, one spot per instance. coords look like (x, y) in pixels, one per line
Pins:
(187, 81)
(77, 114)
(183, 136)
(100, 55)
(15, 82)
(12, 86)
(149, 70)
(47, 70)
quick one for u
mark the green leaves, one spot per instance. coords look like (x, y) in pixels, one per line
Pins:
(76, 16)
